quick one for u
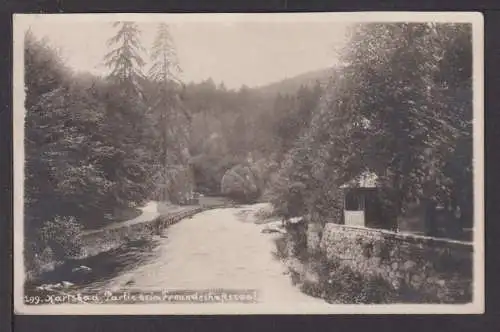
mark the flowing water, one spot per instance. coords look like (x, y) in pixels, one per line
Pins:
(216, 249)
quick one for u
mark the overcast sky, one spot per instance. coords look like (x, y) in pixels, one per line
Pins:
(251, 53)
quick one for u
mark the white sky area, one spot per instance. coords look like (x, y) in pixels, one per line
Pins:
(251, 53)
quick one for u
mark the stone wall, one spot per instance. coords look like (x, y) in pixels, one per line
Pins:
(433, 270)
(314, 234)
(108, 239)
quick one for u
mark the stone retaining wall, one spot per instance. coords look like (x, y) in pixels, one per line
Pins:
(437, 270)
(108, 239)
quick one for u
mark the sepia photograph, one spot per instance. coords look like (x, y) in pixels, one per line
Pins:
(279, 163)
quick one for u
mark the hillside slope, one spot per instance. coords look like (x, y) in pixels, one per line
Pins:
(292, 84)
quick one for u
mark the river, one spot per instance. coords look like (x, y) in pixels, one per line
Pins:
(220, 248)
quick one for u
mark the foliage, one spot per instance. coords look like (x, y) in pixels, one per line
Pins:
(164, 57)
(241, 183)
(124, 59)
(409, 140)
(61, 173)
(62, 235)
(171, 120)
(89, 147)
(340, 284)
(228, 127)
(133, 162)
(400, 106)
(294, 114)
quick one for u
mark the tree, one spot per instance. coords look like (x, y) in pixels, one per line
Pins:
(131, 166)
(165, 67)
(241, 183)
(400, 107)
(293, 114)
(124, 59)
(64, 183)
(400, 83)
(43, 76)
(173, 119)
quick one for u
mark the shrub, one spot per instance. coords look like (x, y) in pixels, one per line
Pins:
(265, 213)
(63, 236)
(241, 184)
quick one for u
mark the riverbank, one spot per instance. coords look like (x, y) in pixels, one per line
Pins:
(231, 248)
(348, 265)
(113, 249)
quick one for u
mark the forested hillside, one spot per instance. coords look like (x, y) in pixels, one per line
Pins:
(293, 84)
(98, 145)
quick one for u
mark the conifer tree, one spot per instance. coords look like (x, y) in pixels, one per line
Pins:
(127, 120)
(124, 59)
(171, 120)
(165, 67)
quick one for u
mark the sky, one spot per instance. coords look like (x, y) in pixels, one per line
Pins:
(236, 53)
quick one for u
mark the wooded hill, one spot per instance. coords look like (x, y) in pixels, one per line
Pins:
(401, 106)
(291, 86)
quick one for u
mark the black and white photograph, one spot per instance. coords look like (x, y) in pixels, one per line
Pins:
(279, 163)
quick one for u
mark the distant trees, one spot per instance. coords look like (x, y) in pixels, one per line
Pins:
(293, 114)
(222, 131)
(229, 126)
(241, 183)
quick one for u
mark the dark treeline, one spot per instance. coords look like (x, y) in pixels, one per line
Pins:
(399, 106)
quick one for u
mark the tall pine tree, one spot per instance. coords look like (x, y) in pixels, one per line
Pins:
(124, 59)
(131, 166)
(172, 123)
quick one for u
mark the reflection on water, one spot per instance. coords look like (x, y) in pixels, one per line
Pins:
(102, 267)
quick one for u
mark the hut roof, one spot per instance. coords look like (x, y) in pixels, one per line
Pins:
(364, 180)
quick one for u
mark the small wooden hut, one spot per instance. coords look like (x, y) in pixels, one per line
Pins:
(362, 206)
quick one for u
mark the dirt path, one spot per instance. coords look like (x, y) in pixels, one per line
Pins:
(149, 212)
(216, 249)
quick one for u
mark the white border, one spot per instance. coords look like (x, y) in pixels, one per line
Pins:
(22, 21)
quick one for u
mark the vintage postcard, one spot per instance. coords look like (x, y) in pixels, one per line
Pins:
(305, 163)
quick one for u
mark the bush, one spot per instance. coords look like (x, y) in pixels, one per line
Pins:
(241, 183)
(265, 213)
(63, 236)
